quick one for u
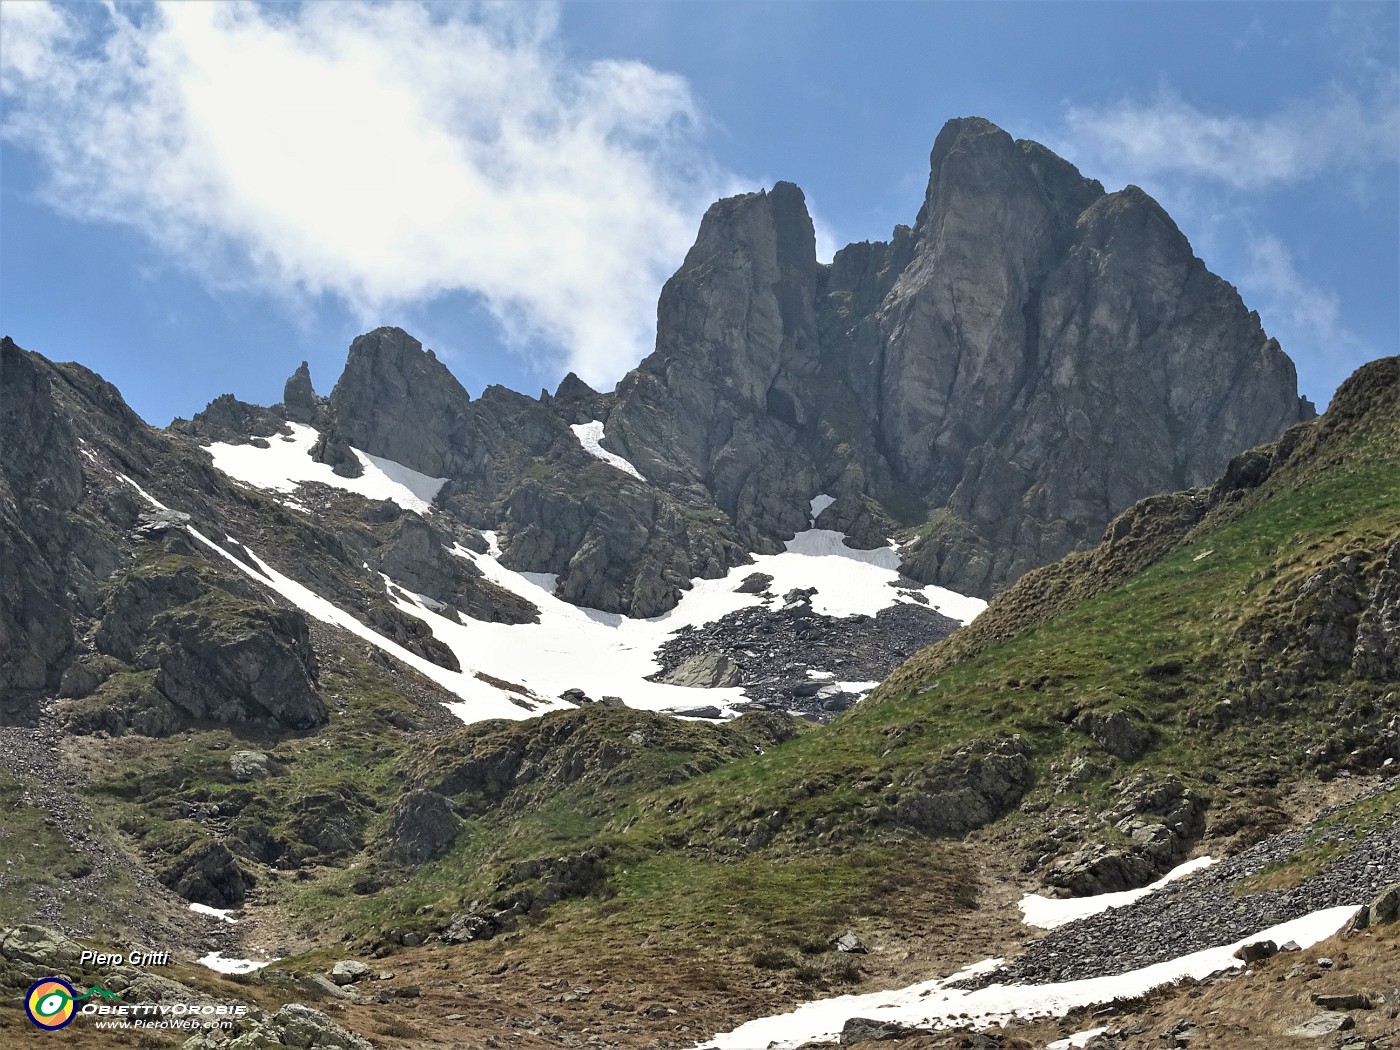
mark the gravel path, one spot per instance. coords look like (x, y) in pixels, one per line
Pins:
(1201, 911)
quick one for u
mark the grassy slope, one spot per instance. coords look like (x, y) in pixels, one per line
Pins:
(689, 881)
(1118, 648)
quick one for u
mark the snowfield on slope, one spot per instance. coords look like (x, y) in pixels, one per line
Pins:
(940, 1004)
(1048, 913)
(590, 436)
(287, 462)
(608, 654)
(604, 654)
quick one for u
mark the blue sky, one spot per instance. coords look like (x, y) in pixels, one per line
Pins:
(195, 198)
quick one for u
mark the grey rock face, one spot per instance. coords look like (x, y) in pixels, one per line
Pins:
(1028, 359)
(208, 874)
(704, 671)
(1117, 733)
(1162, 818)
(228, 419)
(422, 827)
(397, 400)
(41, 482)
(1376, 653)
(970, 788)
(299, 401)
(220, 654)
(415, 555)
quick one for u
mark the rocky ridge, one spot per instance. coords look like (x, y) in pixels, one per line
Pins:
(1029, 358)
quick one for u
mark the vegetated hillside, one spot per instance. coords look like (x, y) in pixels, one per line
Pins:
(1174, 686)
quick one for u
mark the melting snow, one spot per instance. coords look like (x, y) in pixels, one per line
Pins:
(218, 913)
(608, 654)
(935, 1003)
(216, 961)
(604, 654)
(1049, 912)
(1078, 1039)
(287, 462)
(482, 700)
(820, 503)
(590, 436)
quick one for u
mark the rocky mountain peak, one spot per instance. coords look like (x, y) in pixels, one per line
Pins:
(299, 400)
(772, 228)
(577, 402)
(1028, 358)
(398, 400)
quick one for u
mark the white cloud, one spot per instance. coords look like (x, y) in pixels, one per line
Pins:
(1300, 312)
(1348, 131)
(382, 153)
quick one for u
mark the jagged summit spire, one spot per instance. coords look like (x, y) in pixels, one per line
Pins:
(299, 400)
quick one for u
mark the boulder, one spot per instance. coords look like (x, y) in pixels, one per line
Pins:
(422, 826)
(249, 765)
(348, 971)
(754, 583)
(1383, 909)
(1319, 1026)
(849, 942)
(708, 711)
(40, 946)
(969, 788)
(1102, 869)
(867, 1030)
(207, 873)
(1118, 733)
(704, 671)
(1254, 951)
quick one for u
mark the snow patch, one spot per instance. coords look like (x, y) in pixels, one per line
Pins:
(216, 961)
(820, 503)
(1078, 1039)
(287, 463)
(480, 699)
(1048, 912)
(218, 913)
(590, 436)
(937, 1004)
(607, 654)
(517, 671)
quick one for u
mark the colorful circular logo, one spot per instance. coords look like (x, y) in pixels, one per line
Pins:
(49, 1003)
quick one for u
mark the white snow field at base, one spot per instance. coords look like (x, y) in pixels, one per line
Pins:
(936, 1003)
(604, 654)
(216, 961)
(607, 654)
(1047, 913)
(1078, 1039)
(590, 436)
(218, 913)
(287, 462)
